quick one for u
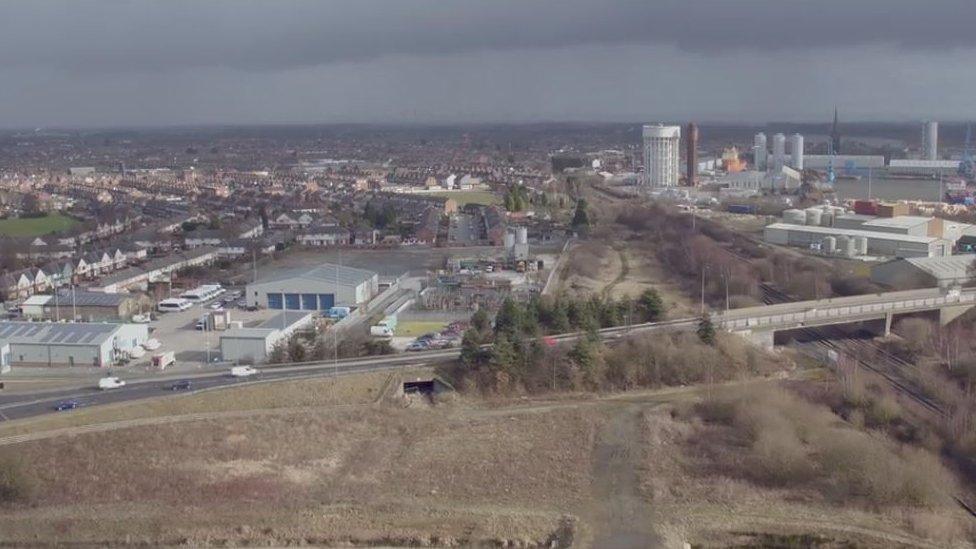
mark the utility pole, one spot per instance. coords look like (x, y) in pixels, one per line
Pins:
(702, 307)
(726, 276)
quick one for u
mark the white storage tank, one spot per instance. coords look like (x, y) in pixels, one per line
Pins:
(795, 217)
(522, 235)
(842, 242)
(829, 245)
(827, 219)
(861, 245)
(509, 240)
(813, 216)
(848, 249)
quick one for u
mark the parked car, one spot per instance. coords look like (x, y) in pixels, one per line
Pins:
(216, 306)
(66, 405)
(110, 382)
(417, 346)
(181, 385)
(140, 319)
(242, 371)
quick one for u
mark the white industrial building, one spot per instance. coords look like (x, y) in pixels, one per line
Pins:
(923, 167)
(842, 162)
(69, 344)
(925, 272)
(255, 344)
(785, 178)
(317, 289)
(875, 243)
(662, 155)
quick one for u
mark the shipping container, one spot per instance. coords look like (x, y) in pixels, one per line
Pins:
(866, 207)
(742, 208)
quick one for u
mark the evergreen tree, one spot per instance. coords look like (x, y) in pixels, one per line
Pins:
(581, 218)
(650, 307)
(587, 356)
(471, 352)
(706, 330)
(508, 321)
(504, 355)
(481, 322)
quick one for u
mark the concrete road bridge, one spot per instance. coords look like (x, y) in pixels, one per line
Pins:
(761, 323)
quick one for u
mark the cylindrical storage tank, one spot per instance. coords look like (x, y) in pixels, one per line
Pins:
(509, 240)
(813, 216)
(861, 245)
(829, 245)
(827, 219)
(522, 235)
(795, 217)
(842, 242)
(849, 250)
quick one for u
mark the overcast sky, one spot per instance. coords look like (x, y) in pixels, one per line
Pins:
(175, 62)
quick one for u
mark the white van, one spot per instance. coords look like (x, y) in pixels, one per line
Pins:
(173, 304)
(110, 382)
(242, 371)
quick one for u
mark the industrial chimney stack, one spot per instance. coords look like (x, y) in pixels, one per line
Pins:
(691, 154)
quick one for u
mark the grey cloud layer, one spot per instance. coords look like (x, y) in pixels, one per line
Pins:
(137, 36)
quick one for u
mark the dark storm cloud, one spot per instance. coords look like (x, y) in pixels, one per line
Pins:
(136, 36)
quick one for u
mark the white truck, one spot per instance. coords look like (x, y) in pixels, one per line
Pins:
(162, 360)
(110, 382)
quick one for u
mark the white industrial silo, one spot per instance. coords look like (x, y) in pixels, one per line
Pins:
(842, 242)
(827, 219)
(779, 151)
(794, 217)
(522, 235)
(813, 216)
(829, 245)
(760, 152)
(509, 240)
(796, 151)
(861, 245)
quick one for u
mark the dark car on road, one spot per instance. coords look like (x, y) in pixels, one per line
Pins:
(181, 385)
(66, 405)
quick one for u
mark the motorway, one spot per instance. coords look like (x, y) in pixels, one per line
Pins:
(26, 405)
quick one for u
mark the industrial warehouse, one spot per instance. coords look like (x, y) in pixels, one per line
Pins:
(253, 345)
(925, 272)
(71, 344)
(886, 232)
(318, 289)
(85, 305)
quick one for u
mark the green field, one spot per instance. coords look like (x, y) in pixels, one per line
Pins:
(485, 198)
(36, 226)
(414, 328)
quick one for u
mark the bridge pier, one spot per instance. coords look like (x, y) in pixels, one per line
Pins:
(948, 314)
(887, 324)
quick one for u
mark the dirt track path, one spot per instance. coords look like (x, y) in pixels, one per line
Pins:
(623, 519)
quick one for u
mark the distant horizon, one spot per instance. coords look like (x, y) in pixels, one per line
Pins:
(485, 123)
